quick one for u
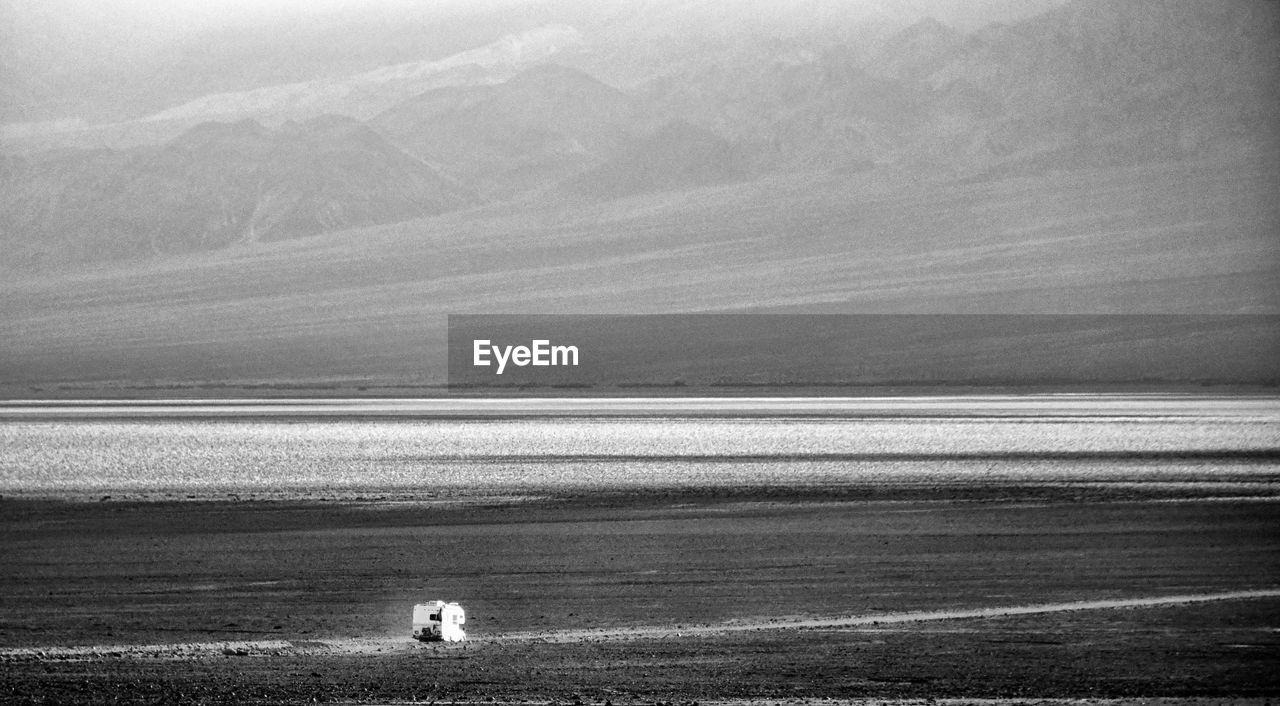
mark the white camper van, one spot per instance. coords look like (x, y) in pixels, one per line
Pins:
(439, 622)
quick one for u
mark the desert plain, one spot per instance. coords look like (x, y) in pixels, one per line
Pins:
(1016, 548)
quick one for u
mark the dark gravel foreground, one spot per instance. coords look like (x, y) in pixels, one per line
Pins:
(1194, 652)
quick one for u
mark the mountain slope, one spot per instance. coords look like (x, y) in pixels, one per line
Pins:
(676, 156)
(1169, 238)
(534, 129)
(1098, 81)
(917, 51)
(215, 185)
(1092, 82)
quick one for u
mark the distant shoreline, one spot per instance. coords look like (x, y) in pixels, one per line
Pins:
(893, 403)
(181, 392)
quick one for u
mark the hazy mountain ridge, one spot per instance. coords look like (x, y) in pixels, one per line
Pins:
(1092, 83)
(917, 51)
(75, 61)
(366, 94)
(1099, 81)
(216, 185)
(676, 156)
(542, 125)
(361, 95)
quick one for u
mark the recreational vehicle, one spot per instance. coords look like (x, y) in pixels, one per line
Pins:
(439, 622)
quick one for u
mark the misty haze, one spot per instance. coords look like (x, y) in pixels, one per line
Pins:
(299, 194)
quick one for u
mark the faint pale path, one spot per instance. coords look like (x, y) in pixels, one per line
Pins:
(1120, 405)
(162, 651)
(370, 645)
(881, 618)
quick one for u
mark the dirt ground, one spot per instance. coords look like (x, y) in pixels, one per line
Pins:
(665, 597)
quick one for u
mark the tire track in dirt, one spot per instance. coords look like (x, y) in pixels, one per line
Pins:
(182, 650)
(836, 623)
(387, 644)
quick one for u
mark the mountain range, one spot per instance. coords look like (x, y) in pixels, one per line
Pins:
(1090, 83)
(536, 129)
(217, 185)
(1090, 156)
